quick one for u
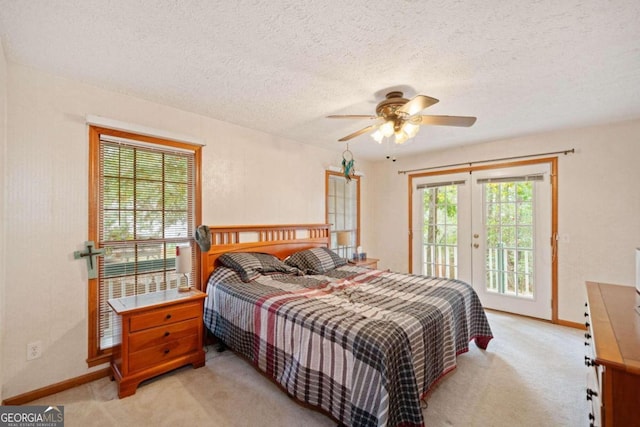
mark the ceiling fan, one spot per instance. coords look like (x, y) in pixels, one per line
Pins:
(398, 117)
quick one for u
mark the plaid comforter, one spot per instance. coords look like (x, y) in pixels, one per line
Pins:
(363, 345)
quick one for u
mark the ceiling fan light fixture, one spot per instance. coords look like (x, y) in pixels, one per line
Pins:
(401, 137)
(410, 129)
(377, 136)
(387, 128)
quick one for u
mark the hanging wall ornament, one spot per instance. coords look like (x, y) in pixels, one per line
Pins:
(348, 169)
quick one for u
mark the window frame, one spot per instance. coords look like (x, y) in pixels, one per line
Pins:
(96, 355)
(332, 230)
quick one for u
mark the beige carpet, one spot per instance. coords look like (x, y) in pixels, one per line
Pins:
(532, 374)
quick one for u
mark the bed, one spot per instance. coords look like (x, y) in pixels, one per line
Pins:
(364, 346)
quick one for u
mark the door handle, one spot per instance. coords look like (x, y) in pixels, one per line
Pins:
(476, 245)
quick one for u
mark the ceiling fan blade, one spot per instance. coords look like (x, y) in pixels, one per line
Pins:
(353, 116)
(417, 104)
(448, 120)
(358, 133)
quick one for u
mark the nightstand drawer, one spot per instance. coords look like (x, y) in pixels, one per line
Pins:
(164, 352)
(162, 334)
(164, 316)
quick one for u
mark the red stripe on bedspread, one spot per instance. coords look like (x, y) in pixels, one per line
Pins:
(274, 302)
(272, 310)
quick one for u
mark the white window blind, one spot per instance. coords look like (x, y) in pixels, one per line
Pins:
(146, 208)
(523, 178)
(440, 184)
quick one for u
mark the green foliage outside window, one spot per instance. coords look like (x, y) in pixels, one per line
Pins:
(509, 237)
(440, 226)
(509, 231)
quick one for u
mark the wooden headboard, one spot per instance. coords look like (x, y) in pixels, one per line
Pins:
(280, 240)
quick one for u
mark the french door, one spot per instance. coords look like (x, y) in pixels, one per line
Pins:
(490, 228)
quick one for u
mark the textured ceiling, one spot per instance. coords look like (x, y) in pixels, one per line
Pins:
(282, 66)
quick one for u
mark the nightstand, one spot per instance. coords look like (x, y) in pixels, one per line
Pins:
(367, 262)
(161, 331)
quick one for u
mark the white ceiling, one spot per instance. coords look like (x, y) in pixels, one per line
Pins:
(282, 66)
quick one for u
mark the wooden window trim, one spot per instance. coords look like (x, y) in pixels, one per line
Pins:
(97, 356)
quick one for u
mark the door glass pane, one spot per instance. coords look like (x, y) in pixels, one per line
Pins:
(342, 212)
(509, 227)
(440, 231)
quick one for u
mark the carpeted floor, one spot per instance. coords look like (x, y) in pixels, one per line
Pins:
(532, 374)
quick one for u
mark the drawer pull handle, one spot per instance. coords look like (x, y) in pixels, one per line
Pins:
(166, 351)
(587, 335)
(166, 334)
(586, 343)
(167, 317)
(586, 314)
(590, 394)
(588, 361)
(587, 324)
(591, 417)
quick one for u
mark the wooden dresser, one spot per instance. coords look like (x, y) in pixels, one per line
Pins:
(613, 355)
(161, 331)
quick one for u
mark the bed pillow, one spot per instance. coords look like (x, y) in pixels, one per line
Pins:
(249, 265)
(316, 260)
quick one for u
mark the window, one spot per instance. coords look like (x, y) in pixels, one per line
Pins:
(510, 222)
(343, 211)
(440, 230)
(145, 200)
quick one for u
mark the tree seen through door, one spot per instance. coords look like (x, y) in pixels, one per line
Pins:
(440, 228)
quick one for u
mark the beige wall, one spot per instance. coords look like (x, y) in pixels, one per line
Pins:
(248, 177)
(599, 204)
(3, 144)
